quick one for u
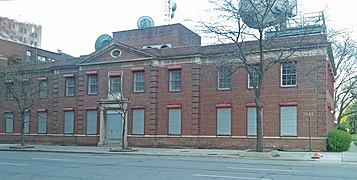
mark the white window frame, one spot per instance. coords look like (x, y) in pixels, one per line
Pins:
(70, 86)
(10, 91)
(291, 74)
(26, 90)
(224, 78)
(111, 85)
(175, 78)
(255, 73)
(92, 84)
(43, 89)
(139, 83)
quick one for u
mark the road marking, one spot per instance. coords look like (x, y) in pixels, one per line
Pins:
(49, 159)
(255, 169)
(13, 164)
(227, 177)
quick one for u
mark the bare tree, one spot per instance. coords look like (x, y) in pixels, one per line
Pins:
(23, 90)
(344, 67)
(243, 20)
(116, 97)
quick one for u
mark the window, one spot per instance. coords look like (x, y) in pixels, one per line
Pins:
(174, 121)
(115, 85)
(288, 121)
(138, 121)
(224, 80)
(9, 91)
(93, 84)
(252, 121)
(139, 81)
(68, 122)
(175, 80)
(223, 121)
(9, 123)
(26, 122)
(254, 71)
(70, 86)
(28, 55)
(41, 59)
(43, 88)
(115, 53)
(41, 122)
(26, 89)
(91, 121)
(288, 74)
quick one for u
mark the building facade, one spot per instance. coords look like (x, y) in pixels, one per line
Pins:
(177, 94)
(20, 32)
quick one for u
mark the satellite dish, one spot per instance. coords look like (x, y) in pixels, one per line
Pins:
(145, 22)
(258, 14)
(102, 41)
(174, 6)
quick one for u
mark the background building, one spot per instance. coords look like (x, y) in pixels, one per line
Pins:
(20, 32)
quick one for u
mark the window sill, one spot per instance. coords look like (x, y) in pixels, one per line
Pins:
(288, 86)
(224, 89)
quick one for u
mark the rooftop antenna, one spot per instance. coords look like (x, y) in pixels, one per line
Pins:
(170, 8)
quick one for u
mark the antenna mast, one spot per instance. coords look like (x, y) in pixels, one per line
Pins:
(167, 11)
(170, 8)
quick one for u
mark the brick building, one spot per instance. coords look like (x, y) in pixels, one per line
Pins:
(177, 97)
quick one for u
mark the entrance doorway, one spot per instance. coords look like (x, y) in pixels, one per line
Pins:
(114, 127)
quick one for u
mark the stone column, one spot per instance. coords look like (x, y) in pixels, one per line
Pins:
(101, 127)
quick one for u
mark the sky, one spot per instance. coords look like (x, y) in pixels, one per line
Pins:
(73, 26)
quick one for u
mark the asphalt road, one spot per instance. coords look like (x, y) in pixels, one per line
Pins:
(49, 166)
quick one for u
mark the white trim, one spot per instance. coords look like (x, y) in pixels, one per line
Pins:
(233, 137)
(281, 76)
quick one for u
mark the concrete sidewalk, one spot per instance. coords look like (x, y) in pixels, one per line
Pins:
(217, 153)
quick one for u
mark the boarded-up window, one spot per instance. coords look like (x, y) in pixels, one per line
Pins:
(9, 124)
(138, 121)
(252, 121)
(41, 122)
(26, 123)
(288, 121)
(223, 121)
(68, 121)
(92, 122)
(174, 121)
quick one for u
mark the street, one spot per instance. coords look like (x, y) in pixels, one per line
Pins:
(38, 166)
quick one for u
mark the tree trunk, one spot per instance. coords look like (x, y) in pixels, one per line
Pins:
(258, 92)
(124, 140)
(22, 128)
(259, 125)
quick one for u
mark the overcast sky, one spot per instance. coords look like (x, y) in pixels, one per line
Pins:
(74, 25)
